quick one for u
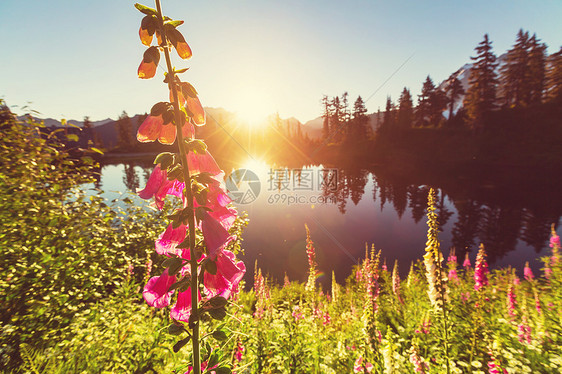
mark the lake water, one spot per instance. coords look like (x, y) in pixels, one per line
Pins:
(349, 208)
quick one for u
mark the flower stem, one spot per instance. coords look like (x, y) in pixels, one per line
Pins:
(188, 195)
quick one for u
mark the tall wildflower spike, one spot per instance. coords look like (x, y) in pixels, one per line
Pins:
(396, 281)
(527, 272)
(480, 269)
(511, 300)
(420, 366)
(466, 263)
(537, 302)
(555, 245)
(437, 290)
(411, 275)
(371, 286)
(311, 253)
(452, 265)
(335, 289)
(436, 281)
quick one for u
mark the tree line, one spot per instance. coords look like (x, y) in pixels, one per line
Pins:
(526, 77)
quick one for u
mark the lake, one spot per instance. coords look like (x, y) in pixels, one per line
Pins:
(347, 208)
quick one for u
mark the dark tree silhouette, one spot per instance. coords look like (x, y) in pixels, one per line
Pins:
(453, 90)
(405, 110)
(554, 77)
(480, 98)
(125, 132)
(424, 110)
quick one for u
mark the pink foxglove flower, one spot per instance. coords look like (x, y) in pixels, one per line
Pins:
(396, 282)
(228, 274)
(419, 365)
(527, 272)
(466, 262)
(158, 186)
(156, 291)
(362, 366)
(511, 301)
(149, 63)
(480, 269)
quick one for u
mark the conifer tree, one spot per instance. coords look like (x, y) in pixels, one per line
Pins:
(513, 73)
(537, 70)
(423, 110)
(336, 119)
(326, 114)
(454, 90)
(554, 77)
(359, 121)
(522, 76)
(124, 131)
(437, 104)
(480, 98)
(388, 116)
(405, 110)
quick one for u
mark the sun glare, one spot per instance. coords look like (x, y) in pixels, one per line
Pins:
(253, 106)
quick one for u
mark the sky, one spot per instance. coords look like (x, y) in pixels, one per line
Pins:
(75, 58)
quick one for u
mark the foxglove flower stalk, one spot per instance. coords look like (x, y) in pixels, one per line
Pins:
(466, 262)
(311, 253)
(335, 288)
(411, 276)
(480, 269)
(537, 302)
(362, 366)
(437, 290)
(511, 300)
(437, 282)
(396, 282)
(452, 265)
(419, 365)
(371, 284)
(193, 176)
(527, 272)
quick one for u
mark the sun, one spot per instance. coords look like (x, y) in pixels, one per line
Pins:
(252, 106)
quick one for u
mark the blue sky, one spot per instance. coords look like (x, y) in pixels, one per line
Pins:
(75, 58)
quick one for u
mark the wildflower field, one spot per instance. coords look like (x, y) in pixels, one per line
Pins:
(91, 286)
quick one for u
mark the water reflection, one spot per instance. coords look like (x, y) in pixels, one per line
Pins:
(373, 205)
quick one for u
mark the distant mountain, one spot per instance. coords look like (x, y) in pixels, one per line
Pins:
(51, 122)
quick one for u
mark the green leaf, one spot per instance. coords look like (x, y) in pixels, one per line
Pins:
(218, 302)
(72, 137)
(146, 10)
(173, 264)
(181, 284)
(184, 244)
(181, 343)
(211, 267)
(196, 146)
(97, 150)
(175, 172)
(180, 71)
(174, 24)
(175, 329)
(159, 108)
(165, 159)
(223, 370)
(218, 314)
(213, 359)
(168, 115)
(220, 335)
(204, 178)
